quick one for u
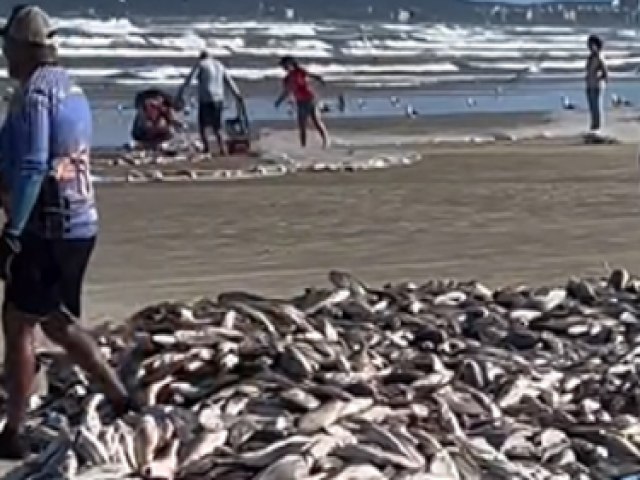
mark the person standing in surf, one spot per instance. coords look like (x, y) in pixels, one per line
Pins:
(296, 84)
(596, 76)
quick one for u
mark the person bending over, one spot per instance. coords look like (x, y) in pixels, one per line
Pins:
(213, 80)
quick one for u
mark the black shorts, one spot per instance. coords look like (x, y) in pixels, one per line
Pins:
(210, 115)
(48, 274)
(306, 109)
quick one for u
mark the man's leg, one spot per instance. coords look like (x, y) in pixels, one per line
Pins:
(221, 144)
(593, 99)
(202, 126)
(320, 126)
(20, 370)
(22, 308)
(216, 122)
(598, 108)
(303, 119)
(61, 326)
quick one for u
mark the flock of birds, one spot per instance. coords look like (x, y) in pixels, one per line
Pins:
(617, 101)
(410, 111)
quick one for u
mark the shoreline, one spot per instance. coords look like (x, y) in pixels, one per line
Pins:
(360, 145)
(449, 106)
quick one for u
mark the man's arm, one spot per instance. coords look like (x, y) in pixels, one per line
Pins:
(4, 169)
(317, 78)
(231, 85)
(604, 71)
(186, 83)
(283, 96)
(32, 166)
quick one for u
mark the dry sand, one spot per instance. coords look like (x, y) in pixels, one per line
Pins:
(503, 213)
(534, 210)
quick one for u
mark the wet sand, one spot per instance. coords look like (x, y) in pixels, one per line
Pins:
(503, 213)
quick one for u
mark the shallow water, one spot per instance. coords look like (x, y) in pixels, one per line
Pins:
(112, 122)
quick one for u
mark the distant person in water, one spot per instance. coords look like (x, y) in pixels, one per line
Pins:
(596, 76)
(213, 80)
(296, 84)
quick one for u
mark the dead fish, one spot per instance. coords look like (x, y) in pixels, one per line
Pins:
(323, 445)
(392, 443)
(270, 453)
(548, 301)
(347, 281)
(256, 315)
(330, 299)
(369, 453)
(444, 467)
(330, 412)
(90, 448)
(619, 279)
(164, 467)
(298, 398)
(146, 441)
(517, 446)
(581, 290)
(203, 444)
(210, 419)
(296, 364)
(288, 467)
(360, 472)
(68, 468)
(451, 299)
(152, 394)
(444, 380)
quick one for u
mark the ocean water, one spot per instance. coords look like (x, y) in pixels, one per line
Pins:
(160, 51)
(441, 60)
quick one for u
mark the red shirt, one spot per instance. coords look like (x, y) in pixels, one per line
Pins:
(297, 82)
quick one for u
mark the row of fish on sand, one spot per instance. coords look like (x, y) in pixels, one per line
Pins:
(162, 169)
(440, 380)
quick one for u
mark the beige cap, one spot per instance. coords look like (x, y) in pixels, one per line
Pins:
(29, 23)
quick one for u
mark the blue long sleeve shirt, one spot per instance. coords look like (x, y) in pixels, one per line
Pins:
(45, 146)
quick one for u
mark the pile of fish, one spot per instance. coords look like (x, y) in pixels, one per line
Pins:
(445, 380)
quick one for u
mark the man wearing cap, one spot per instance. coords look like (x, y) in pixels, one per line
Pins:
(52, 222)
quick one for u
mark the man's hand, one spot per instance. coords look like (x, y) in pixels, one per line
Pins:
(178, 103)
(5, 201)
(9, 248)
(319, 79)
(240, 105)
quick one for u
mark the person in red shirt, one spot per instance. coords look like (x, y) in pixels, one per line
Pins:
(296, 84)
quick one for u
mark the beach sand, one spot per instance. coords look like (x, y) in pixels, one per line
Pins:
(505, 212)
(533, 210)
